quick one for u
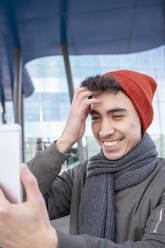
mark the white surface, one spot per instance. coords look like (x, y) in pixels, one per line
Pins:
(10, 159)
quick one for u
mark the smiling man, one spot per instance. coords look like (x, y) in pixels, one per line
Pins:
(116, 199)
(115, 123)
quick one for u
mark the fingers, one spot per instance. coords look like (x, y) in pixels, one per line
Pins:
(82, 98)
(2, 196)
(30, 183)
(76, 121)
(4, 205)
(84, 92)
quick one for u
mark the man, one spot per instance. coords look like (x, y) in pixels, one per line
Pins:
(116, 199)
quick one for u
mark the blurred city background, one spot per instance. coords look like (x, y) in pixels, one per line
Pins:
(48, 47)
(47, 108)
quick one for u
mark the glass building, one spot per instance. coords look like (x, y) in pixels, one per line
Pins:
(47, 109)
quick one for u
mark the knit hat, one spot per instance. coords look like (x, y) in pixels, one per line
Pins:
(140, 88)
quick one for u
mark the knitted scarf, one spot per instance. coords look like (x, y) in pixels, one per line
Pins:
(104, 178)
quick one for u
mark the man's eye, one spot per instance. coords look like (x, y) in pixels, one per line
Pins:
(117, 116)
(93, 118)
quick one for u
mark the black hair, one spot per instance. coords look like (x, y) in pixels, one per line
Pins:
(101, 83)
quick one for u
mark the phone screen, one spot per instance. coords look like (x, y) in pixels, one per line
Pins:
(10, 160)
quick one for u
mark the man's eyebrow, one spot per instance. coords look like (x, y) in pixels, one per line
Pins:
(92, 111)
(114, 110)
(111, 111)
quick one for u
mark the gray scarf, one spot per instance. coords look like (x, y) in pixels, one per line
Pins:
(104, 177)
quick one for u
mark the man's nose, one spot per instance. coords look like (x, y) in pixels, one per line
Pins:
(106, 129)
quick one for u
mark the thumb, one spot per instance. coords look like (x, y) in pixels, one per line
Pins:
(3, 196)
(30, 183)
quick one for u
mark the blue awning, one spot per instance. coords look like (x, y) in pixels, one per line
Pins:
(39, 27)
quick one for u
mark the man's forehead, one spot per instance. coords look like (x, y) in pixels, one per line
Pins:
(109, 92)
(109, 111)
(111, 100)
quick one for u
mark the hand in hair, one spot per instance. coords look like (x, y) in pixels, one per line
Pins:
(75, 125)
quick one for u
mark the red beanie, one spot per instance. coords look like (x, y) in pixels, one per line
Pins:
(140, 88)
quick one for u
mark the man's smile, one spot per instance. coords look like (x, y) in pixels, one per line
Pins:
(111, 143)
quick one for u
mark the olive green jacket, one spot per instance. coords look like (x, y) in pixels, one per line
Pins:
(140, 210)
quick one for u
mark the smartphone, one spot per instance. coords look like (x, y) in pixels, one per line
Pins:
(10, 160)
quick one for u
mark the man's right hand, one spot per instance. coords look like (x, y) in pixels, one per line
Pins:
(75, 125)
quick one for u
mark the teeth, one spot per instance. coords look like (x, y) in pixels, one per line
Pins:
(112, 143)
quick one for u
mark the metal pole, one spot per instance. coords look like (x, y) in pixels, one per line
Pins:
(22, 126)
(17, 86)
(17, 94)
(3, 103)
(4, 119)
(81, 149)
(68, 70)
